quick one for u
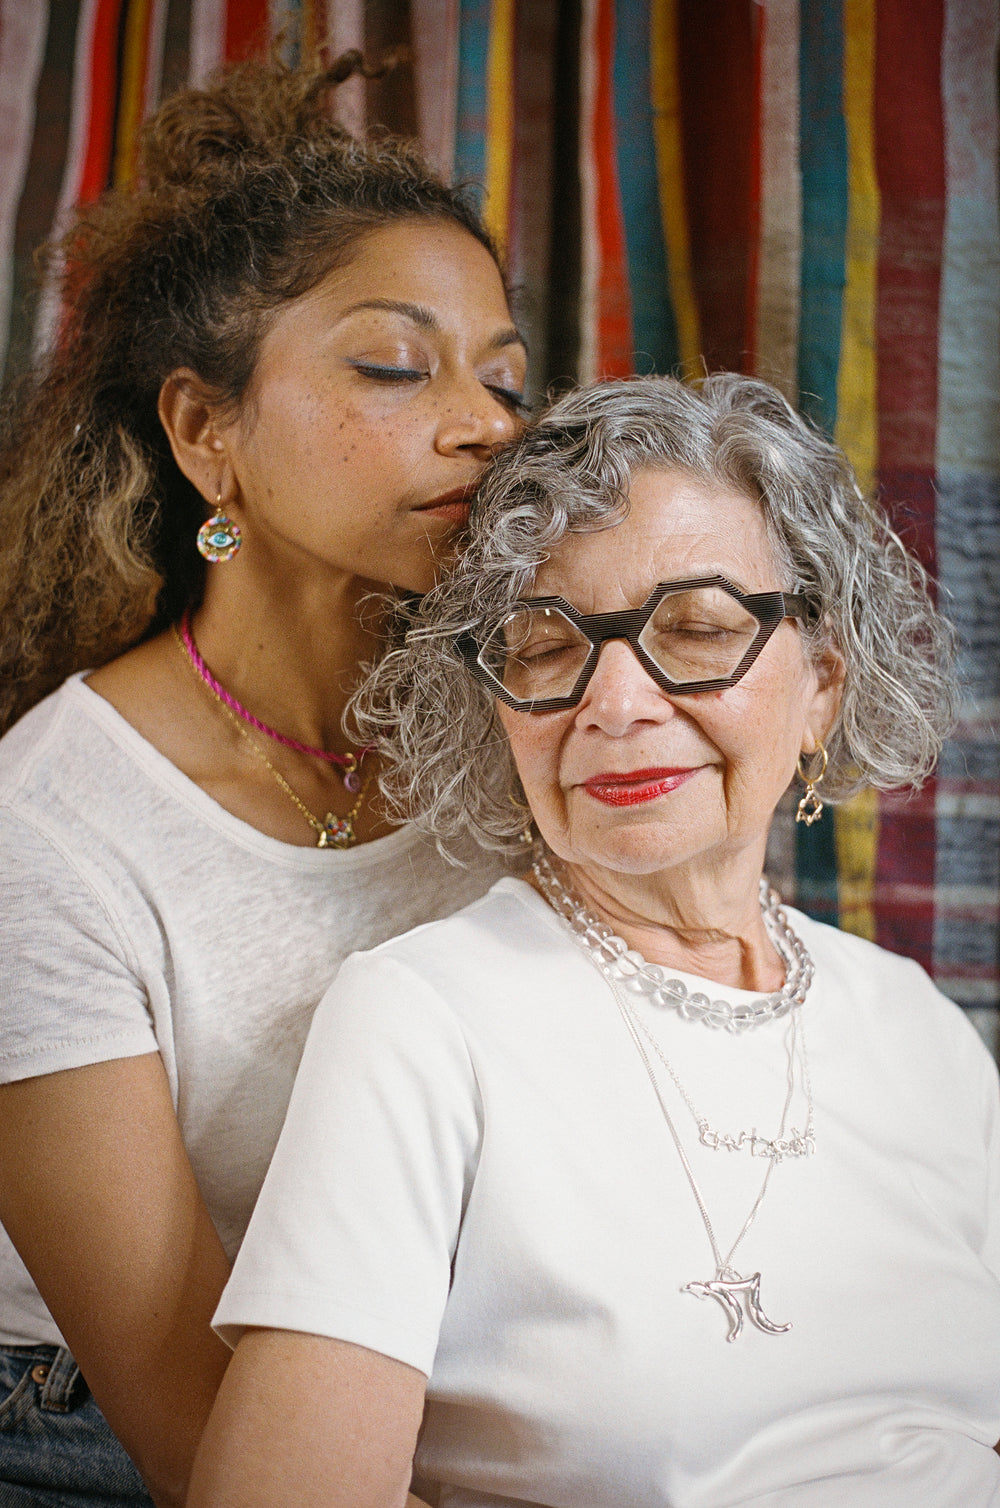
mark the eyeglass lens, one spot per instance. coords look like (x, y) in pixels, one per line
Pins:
(701, 634)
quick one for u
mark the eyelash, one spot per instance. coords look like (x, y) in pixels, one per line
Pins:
(513, 400)
(516, 402)
(389, 374)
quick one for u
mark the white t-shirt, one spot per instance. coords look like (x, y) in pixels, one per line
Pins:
(136, 915)
(476, 1178)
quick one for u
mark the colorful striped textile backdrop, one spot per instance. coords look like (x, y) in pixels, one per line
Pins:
(804, 189)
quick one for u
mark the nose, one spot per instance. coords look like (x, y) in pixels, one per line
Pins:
(620, 694)
(475, 419)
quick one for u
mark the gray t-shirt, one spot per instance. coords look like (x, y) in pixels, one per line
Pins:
(136, 915)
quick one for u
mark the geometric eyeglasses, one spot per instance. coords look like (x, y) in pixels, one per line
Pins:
(689, 636)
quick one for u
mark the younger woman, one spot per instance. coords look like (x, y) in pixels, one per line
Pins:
(285, 362)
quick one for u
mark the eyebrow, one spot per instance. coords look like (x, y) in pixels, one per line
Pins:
(426, 319)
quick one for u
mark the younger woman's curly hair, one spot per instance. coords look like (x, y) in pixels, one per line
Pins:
(249, 195)
(450, 767)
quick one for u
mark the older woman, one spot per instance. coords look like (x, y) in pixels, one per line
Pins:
(626, 1186)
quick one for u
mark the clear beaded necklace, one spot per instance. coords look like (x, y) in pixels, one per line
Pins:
(619, 962)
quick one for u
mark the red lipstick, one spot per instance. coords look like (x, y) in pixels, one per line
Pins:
(634, 786)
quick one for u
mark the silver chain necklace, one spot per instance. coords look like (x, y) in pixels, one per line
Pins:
(618, 961)
(608, 952)
(728, 1286)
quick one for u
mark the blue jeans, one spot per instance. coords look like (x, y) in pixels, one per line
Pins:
(57, 1449)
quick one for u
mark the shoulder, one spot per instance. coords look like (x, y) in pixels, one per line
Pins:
(68, 750)
(492, 962)
(33, 733)
(892, 1005)
(503, 928)
(846, 961)
(54, 768)
(845, 952)
(72, 792)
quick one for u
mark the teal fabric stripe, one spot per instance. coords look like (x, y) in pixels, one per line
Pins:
(473, 50)
(823, 152)
(823, 137)
(656, 345)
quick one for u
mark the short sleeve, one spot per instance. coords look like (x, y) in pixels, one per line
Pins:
(984, 1094)
(357, 1224)
(69, 991)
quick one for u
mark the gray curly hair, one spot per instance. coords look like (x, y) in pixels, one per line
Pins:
(449, 768)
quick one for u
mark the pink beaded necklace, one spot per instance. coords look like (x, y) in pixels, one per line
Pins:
(348, 762)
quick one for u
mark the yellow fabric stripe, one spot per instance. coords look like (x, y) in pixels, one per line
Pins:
(856, 831)
(856, 843)
(665, 84)
(499, 119)
(131, 94)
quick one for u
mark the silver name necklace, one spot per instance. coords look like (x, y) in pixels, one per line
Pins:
(729, 1286)
(795, 1144)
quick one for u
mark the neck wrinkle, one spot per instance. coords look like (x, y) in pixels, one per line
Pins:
(738, 954)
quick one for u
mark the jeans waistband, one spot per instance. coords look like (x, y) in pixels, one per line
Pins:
(57, 1390)
(55, 1372)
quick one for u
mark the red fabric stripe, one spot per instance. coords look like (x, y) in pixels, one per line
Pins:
(909, 156)
(246, 29)
(755, 190)
(100, 125)
(614, 311)
(718, 110)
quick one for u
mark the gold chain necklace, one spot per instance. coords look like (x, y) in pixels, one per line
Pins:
(332, 831)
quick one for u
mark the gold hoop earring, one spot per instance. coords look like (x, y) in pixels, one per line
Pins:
(219, 537)
(810, 808)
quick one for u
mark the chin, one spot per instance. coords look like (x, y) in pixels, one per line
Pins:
(632, 850)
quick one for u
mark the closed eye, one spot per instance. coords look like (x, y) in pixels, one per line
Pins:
(545, 649)
(510, 398)
(698, 630)
(389, 374)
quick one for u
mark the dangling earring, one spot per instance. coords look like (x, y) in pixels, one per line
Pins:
(220, 536)
(810, 808)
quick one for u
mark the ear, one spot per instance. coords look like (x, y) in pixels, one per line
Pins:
(824, 708)
(189, 413)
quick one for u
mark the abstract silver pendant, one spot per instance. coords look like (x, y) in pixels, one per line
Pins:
(726, 1291)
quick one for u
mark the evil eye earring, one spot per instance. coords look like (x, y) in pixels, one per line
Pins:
(219, 537)
(810, 808)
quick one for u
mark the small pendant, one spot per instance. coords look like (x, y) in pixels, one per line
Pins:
(336, 832)
(726, 1290)
(809, 809)
(349, 774)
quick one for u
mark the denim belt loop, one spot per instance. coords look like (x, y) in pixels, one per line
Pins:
(57, 1389)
